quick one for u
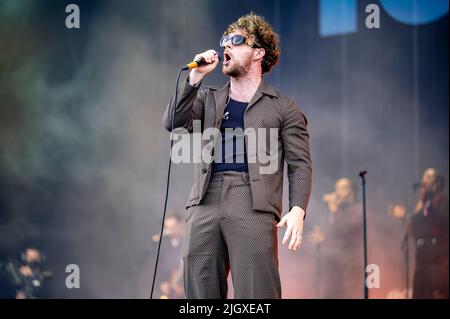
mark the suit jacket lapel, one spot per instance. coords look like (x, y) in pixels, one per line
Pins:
(220, 97)
(264, 88)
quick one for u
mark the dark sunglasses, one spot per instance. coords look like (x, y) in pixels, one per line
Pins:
(236, 39)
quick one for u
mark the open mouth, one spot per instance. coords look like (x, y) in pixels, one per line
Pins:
(226, 58)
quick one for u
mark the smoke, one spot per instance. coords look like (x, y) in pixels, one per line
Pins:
(83, 141)
(92, 126)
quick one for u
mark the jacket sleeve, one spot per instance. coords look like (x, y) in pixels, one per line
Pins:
(295, 139)
(190, 107)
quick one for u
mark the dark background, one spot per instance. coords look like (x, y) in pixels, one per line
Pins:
(83, 153)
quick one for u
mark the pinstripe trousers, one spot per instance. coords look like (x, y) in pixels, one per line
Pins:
(224, 233)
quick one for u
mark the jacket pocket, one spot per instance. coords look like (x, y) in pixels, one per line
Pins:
(193, 195)
(188, 213)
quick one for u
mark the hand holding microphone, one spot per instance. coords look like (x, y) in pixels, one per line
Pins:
(203, 64)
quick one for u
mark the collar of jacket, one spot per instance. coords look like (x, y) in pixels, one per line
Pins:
(221, 96)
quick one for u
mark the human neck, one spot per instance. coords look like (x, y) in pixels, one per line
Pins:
(244, 88)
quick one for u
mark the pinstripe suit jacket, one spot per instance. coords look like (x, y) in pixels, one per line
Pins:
(267, 109)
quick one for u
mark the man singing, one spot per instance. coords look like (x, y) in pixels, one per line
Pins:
(234, 207)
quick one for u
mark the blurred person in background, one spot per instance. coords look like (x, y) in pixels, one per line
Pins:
(170, 276)
(429, 227)
(25, 277)
(340, 241)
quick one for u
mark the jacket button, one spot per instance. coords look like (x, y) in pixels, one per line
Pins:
(204, 170)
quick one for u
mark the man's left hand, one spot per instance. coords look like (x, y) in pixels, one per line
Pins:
(294, 222)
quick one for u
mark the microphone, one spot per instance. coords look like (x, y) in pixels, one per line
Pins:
(197, 63)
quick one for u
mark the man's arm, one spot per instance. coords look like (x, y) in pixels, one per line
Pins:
(190, 106)
(190, 100)
(295, 139)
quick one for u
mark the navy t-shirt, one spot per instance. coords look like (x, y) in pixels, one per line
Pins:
(232, 155)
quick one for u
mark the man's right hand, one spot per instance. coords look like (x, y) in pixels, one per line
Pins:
(199, 73)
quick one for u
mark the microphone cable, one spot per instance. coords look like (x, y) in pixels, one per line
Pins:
(167, 181)
(184, 68)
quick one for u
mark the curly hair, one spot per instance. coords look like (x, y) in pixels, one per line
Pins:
(257, 27)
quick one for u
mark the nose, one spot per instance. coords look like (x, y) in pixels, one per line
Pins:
(228, 44)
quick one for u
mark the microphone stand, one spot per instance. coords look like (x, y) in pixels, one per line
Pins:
(404, 246)
(362, 175)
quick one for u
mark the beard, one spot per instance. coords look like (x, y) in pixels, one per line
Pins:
(238, 69)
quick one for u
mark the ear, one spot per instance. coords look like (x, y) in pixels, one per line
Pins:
(259, 53)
